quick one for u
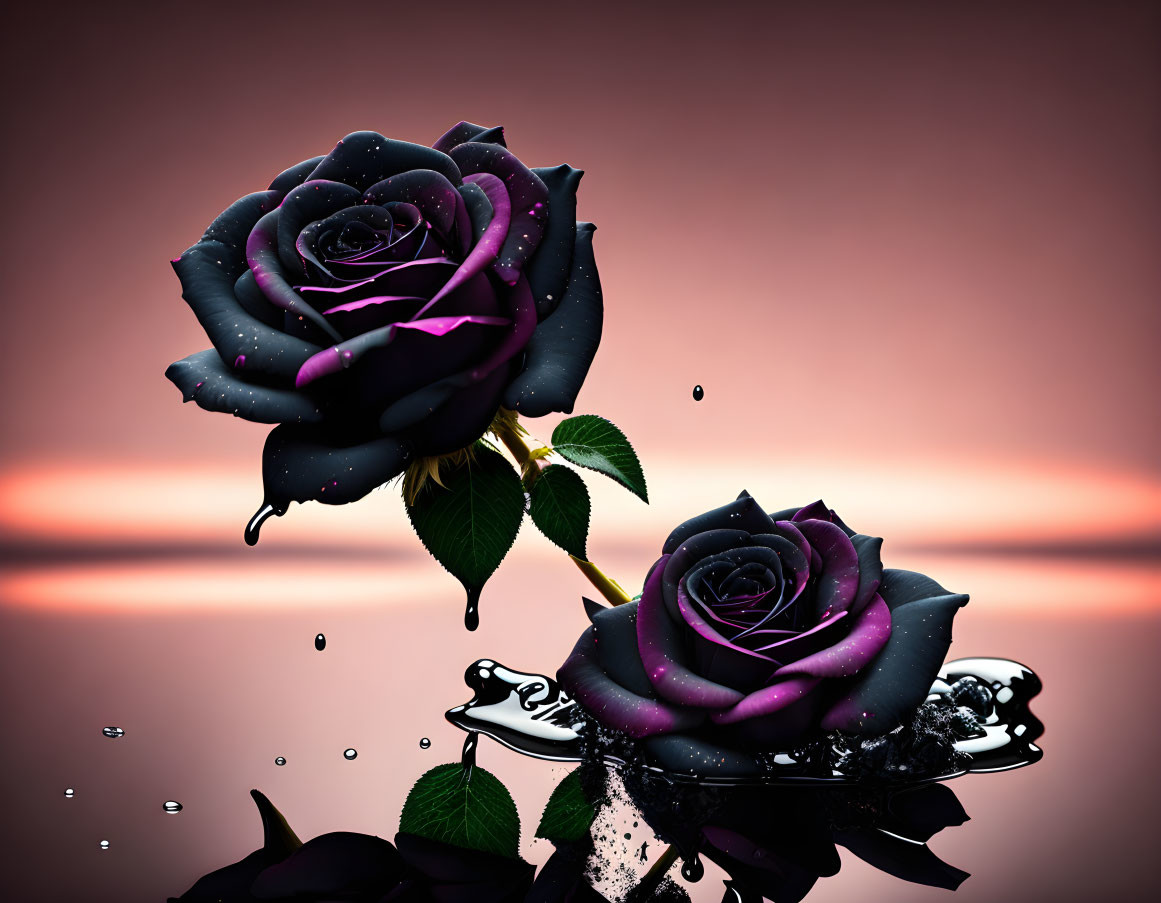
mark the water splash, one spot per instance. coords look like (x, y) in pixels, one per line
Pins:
(171, 807)
(113, 732)
(320, 642)
(472, 612)
(260, 517)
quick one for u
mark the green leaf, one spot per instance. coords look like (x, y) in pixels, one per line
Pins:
(569, 814)
(560, 508)
(470, 522)
(464, 807)
(592, 442)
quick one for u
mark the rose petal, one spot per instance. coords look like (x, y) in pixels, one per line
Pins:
(479, 210)
(900, 587)
(819, 511)
(612, 704)
(310, 202)
(741, 514)
(897, 681)
(295, 175)
(912, 862)
(363, 158)
(341, 863)
(550, 266)
(463, 132)
(562, 348)
(301, 463)
(870, 569)
(838, 581)
(615, 638)
(718, 659)
(866, 639)
(767, 700)
(463, 417)
(434, 196)
(661, 643)
(203, 378)
(208, 271)
(524, 189)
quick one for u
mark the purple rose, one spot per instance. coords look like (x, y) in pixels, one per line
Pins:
(384, 301)
(756, 631)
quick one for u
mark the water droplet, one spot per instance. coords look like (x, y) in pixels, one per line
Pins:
(472, 612)
(104, 844)
(240, 362)
(260, 517)
(113, 732)
(172, 807)
(425, 743)
(350, 753)
(692, 869)
(69, 793)
(320, 642)
(468, 755)
(698, 393)
(279, 760)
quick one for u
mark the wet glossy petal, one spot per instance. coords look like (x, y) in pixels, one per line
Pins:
(741, 514)
(203, 378)
(612, 704)
(301, 463)
(661, 642)
(295, 175)
(855, 651)
(363, 158)
(549, 268)
(208, 272)
(896, 682)
(563, 346)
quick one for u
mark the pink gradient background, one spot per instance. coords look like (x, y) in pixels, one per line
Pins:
(909, 250)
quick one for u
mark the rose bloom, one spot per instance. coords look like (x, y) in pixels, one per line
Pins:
(383, 302)
(756, 631)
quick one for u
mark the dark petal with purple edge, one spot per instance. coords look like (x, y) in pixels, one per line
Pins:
(741, 514)
(463, 132)
(419, 278)
(767, 700)
(684, 754)
(363, 158)
(514, 337)
(867, 637)
(819, 511)
(870, 569)
(549, 268)
(900, 587)
(295, 175)
(716, 658)
(785, 728)
(339, 864)
(614, 705)
(479, 210)
(302, 463)
(839, 579)
(910, 861)
(308, 203)
(561, 350)
(896, 683)
(615, 636)
(436, 197)
(262, 256)
(208, 272)
(525, 191)
(661, 642)
(203, 378)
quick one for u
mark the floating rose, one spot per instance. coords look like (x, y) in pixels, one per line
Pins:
(759, 631)
(383, 302)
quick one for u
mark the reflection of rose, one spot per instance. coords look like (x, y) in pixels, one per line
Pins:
(764, 629)
(385, 300)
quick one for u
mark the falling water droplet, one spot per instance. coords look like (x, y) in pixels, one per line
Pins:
(113, 732)
(692, 869)
(472, 612)
(104, 844)
(172, 807)
(279, 760)
(425, 743)
(698, 393)
(69, 793)
(468, 755)
(349, 754)
(260, 517)
(320, 642)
